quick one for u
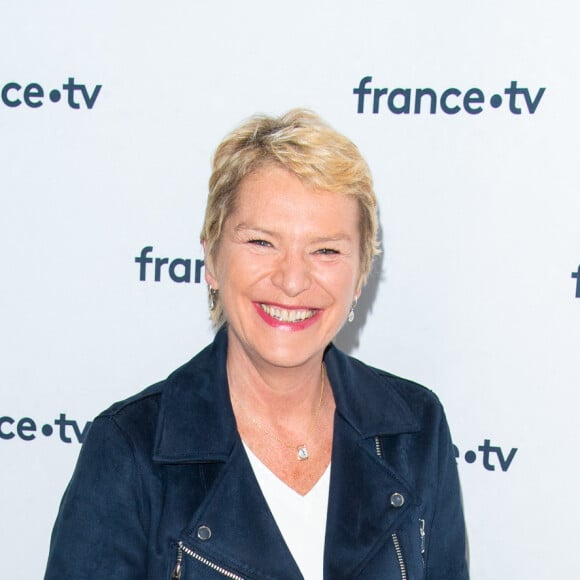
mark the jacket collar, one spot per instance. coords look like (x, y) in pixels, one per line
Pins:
(196, 421)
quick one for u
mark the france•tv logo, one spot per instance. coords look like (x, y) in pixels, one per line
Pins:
(404, 101)
(179, 269)
(27, 429)
(33, 95)
(577, 276)
(492, 456)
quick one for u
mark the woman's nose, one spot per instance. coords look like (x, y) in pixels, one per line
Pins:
(292, 274)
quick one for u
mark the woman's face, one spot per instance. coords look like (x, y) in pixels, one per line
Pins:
(287, 267)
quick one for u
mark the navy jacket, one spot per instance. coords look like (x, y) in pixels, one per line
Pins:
(163, 488)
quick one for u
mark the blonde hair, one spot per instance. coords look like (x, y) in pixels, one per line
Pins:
(302, 143)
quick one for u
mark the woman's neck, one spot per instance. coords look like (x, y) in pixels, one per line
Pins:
(284, 415)
(279, 395)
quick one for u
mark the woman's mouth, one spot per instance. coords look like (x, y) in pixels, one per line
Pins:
(286, 315)
(289, 319)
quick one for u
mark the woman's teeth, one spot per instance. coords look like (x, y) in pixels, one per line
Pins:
(284, 315)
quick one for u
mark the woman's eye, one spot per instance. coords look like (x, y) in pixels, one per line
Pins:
(327, 251)
(263, 243)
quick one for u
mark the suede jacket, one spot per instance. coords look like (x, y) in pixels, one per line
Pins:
(163, 489)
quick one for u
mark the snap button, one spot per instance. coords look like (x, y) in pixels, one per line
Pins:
(397, 500)
(203, 533)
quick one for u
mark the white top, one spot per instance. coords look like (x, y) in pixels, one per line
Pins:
(300, 519)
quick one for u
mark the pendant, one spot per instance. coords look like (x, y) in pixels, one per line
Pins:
(302, 452)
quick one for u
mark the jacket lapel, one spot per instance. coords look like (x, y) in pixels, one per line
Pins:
(244, 534)
(361, 514)
(196, 424)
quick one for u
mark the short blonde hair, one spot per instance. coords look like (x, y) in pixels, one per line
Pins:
(302, 143)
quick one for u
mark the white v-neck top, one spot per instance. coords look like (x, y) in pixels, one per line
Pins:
(300, 519)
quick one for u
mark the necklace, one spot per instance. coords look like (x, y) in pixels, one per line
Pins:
(302, 451)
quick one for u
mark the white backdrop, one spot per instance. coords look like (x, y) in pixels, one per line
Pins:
(474, 295)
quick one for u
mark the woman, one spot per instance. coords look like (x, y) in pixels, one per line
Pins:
(271, 454)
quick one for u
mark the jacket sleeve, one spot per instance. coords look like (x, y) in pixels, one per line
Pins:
(100, 532)
(446, 538)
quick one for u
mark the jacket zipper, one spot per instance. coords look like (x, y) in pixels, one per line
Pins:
(182, 549)
(400, 559)
(422, 535)
(394, 537)
(378, 447)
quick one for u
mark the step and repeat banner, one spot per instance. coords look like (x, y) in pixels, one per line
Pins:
(468, 116)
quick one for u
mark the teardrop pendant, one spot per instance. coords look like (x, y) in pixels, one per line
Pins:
(302, 452)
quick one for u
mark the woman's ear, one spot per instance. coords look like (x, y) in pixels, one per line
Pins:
(210, 278)
(358, 290)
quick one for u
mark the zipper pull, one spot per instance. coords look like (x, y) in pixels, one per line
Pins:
(422, 534)
(176, 574)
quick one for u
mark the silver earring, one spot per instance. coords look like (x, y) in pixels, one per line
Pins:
(211, 297)
(351, 313)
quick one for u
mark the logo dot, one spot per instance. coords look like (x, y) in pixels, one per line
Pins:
(470, 456)
(47, 430)
(495, 101)
(54, 96)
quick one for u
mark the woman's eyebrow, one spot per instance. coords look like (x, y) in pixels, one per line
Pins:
(243, 227)
(338, 237)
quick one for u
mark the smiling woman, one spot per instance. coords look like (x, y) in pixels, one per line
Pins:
(288, 257)
(271, 454)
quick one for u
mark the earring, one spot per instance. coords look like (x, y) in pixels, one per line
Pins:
(351, 313)
(211, 297)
